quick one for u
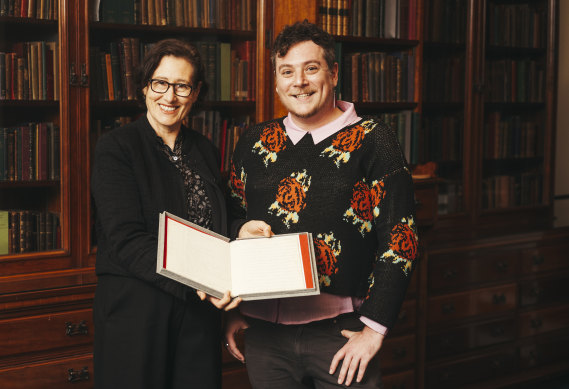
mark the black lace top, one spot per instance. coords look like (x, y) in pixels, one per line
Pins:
(197, 201)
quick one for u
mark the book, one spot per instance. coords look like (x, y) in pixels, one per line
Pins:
(4, 232)
(259, 268)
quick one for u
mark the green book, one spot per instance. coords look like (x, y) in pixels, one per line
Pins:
(4, 232)
(225, 71)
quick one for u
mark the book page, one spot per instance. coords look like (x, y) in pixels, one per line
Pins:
(198, 256)
(265, 265)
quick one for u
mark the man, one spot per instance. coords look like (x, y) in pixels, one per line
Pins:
(343, 178)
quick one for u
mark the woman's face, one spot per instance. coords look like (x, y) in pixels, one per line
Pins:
(167, 110)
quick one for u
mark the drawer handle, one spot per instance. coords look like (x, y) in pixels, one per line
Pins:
(448, 308)
(502, 266)
(402, 316)
(496, 364)
(535, 292)
(418, 204)
(76, 329)
(498, 299)
(78, 375)
(538, 259)
(449, 273)
(400, 352)
(536, 323)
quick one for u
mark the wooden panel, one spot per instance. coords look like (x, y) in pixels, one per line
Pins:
(397, 352)
(407, 318)
(544, 320)
(462, 269)
(546, 290)
(45, 332)
(548, 258)
(475, 302)
(405, 380)
(426, 204)
(235, 379)
(476, 369)
(461, 339)
(76, 372)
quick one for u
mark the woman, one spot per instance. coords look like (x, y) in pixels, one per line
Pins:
(150, 331)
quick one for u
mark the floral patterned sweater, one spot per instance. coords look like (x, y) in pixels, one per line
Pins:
(352, 191)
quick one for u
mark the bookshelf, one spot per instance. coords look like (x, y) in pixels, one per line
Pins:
(451, 107)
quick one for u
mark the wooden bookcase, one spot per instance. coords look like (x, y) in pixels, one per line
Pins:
(505, 258)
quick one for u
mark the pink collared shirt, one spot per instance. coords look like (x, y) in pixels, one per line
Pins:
(300, 310)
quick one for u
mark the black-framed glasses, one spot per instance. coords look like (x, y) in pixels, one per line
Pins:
(180, 89)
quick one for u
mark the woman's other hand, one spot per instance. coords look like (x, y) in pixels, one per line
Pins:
(255, 229)
(226, 303)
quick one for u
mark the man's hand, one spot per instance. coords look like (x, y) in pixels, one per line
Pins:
(226, 302)
(255, 229)
(361, 347)
(234, 323)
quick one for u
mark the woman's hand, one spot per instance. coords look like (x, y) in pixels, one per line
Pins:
(234, 323)
(255, 229)
(226, 302)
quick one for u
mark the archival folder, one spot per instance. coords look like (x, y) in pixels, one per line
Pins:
(254, 269)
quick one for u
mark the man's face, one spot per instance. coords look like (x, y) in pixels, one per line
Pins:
(305, 84)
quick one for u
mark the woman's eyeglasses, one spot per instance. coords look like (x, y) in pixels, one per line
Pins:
(161, 86)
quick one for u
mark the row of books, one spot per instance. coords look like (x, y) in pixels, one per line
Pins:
(230, 71)
(445, 21)
(23, 231)
(30, 152)
(441, 138)
(219, 14)
(391, 19)
(221, 130)
(224, 132)
(511, 191)
(517, 25)
(406, 126)
(515, 81)
(378, 77)
(30, 71)
(510, 137)
(443, 80)
(38, 9)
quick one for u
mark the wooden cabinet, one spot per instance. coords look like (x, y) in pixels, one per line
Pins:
(492, 310)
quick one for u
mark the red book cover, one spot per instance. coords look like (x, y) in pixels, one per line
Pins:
(25, 153)
(24, 9)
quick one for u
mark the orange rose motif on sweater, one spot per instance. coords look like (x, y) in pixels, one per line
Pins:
(327, 249)
(271, 142)
(360, 211)
(377, 195)
(291, 197)
(346, 142)
(403, 247)
(237, 186)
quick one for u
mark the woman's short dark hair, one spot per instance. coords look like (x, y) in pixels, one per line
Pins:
(176, 48)
(302, 32)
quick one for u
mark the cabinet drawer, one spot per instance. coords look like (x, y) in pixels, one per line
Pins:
(76, 372)
(465, 269)
(547, 258)
(404, 380)
(546, 290)
(45, 332)
(469, 337)
(544, 320)
(397, 352)
(544, 352)
(472, 370)
(472, 303)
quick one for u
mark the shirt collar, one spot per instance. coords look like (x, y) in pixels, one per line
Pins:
(295, 133)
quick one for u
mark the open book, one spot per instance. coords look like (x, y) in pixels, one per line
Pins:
(259, 268)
